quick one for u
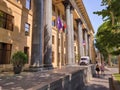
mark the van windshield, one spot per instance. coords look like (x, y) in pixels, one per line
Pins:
(83, 58)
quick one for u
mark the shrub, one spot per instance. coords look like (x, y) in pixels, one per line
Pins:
(19, 59)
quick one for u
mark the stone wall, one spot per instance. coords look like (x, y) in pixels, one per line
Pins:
(73, 80)
(66, 78)
(114, 84)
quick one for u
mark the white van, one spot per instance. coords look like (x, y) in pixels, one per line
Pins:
(85, 60)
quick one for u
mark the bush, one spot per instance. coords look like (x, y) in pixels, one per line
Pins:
(19, 59)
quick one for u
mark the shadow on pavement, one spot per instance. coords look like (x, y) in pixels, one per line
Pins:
(100, 81)
(96, 87)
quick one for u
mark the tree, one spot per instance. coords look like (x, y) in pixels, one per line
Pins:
(111, 27)
(111, 12)
(102, 37)
(110, 30)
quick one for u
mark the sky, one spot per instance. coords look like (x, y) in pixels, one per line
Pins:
(92, 6)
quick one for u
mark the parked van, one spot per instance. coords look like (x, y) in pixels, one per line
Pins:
(85, 60)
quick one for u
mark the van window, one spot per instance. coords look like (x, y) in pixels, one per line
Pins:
(83, 58)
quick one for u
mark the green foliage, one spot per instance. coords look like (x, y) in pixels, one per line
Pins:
(19, 58)
(115, 7)
(110, 6)
(117, 77)
(101, 43)
(116, 52)
(101, 49)
(108, 35)
(108, 39)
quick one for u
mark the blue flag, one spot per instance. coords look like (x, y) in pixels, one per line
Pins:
(59, 23)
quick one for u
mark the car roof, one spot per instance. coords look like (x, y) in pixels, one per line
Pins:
(85, 57)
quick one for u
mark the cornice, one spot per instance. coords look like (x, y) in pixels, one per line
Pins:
(84, 14)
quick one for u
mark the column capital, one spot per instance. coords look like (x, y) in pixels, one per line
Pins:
(78, 20)
(89, 35)
(84, 29)
(71, 8)
(67, 4)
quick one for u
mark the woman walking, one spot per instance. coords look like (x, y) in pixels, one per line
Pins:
(97, 69)
(102, 68)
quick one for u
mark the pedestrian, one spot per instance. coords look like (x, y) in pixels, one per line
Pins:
(96, 62)
(102, 68)
(97, 69)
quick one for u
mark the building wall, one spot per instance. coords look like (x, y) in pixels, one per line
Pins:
(19, 40)
(17, 37)
(54, 47)
(77, 56)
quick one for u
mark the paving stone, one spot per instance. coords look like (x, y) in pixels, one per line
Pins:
(65, 78)
(101, 82)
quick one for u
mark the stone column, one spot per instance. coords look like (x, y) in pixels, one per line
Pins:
(80, 37)
(72, 35)
(48, 34)
(68, 32)
(86, 42)
(84, 48)
(90, 46)
(62, 49)
(37, 34)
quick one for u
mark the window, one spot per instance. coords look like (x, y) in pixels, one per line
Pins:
(74, 48)
(28, 4)
(58, 12)
(64, 44)
(52, 56)
(53, 23)
(75, 37)
(5, 53)
(26, 51)
(59, 42)
(59, 57)
(6, 21)
(17, 0)
(65, 58)
(27, 29)
(83, 34)
(53, 7)
(53, 39)
(63, 17)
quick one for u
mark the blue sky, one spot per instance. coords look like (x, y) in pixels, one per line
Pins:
(92, 6)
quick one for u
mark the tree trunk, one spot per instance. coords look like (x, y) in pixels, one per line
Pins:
(109, 60)
(119, 63)
(112, 14)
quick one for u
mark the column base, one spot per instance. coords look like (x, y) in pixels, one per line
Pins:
(34, 68)
(73, 64)
(48, 66)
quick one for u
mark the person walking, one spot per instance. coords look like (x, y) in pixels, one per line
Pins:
(97, 69)
(102, 68)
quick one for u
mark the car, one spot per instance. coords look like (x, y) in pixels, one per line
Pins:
(84, 60)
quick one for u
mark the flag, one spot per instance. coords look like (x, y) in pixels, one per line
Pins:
(64, 27)
(59, 24)
(83, 42)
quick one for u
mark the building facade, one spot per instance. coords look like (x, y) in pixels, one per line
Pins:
(51, 32)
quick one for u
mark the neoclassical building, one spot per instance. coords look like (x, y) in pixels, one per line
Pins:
(51, 32)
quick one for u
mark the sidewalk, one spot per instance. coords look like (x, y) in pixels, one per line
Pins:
(101, 82)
